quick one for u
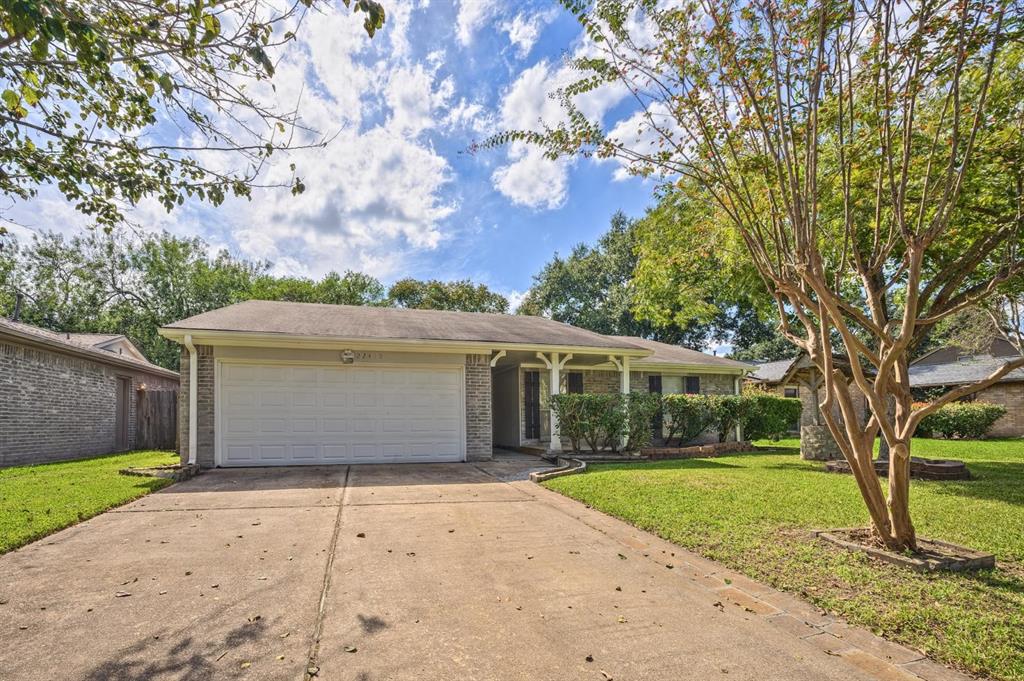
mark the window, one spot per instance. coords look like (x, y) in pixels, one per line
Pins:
(692, 385)
(791, 392)
(574, 382)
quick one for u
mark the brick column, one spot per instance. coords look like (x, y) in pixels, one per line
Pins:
(479, 446)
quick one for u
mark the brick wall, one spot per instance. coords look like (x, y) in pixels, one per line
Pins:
(57, 407)
(478, 408)
(1011, 396)
(204, 404)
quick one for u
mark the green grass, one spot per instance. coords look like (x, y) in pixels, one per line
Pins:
(38, 500)
(751, 512)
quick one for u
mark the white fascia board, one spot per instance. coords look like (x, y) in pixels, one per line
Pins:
(250, 339)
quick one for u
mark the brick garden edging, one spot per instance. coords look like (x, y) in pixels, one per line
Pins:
(565, 467)
(175, 473)
(938, 555)
(696, 451)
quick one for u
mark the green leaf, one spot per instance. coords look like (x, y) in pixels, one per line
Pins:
(166, 84)
(11, 100)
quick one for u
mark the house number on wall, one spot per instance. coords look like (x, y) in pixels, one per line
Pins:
(351, 356)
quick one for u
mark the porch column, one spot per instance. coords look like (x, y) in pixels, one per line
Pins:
(624, 389)
(738, 390)
(555, 443)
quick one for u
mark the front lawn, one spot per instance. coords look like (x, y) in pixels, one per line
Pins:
(751, 512)
(38, 500)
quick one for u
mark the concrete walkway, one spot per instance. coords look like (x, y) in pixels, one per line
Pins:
(445, 571)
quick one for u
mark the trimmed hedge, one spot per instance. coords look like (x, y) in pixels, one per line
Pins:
(687, 417)
(605, 419)
(770, 416)
(964, 420)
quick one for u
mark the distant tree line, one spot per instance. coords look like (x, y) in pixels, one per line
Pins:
(117, 283)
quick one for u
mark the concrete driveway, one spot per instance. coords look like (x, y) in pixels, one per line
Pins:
(445, 571)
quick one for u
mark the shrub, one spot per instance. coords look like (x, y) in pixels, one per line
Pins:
(596, 419)
(769, 416)
(967, 420)
(686, 416)
(640, 410)
(729, 411)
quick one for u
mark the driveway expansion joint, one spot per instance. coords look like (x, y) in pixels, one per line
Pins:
(312, 659)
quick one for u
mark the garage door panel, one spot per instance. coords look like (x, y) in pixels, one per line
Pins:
(287, 414)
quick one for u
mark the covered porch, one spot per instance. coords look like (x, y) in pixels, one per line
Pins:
(524, 381)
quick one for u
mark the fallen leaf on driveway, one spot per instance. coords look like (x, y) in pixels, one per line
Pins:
(122, 594)
(589, 658)
(350, 649)
(280, 657)
(312, 670)
(606, 675)
(361, 535)
(622, 556)
(245, 665)
(255, 618)
(130, 581)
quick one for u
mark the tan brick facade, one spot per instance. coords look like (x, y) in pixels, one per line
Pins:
(478, 408)
(1010, 396)
(205, 433)
(57, 407)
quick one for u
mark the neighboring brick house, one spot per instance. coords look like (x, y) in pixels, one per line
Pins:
(274, 383)
(68, 396)
(949, 367)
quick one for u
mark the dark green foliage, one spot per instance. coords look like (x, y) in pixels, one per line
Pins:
(686, 417)
(640, 409)
(461, 295)
(592, 288)
(770, 416)
(598, 419)
(964, 420)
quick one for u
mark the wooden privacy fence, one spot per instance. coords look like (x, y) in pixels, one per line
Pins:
(156, 425)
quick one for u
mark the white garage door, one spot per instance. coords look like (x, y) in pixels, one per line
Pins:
(284, 415)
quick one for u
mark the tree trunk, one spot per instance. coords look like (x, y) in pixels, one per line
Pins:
(903, 535)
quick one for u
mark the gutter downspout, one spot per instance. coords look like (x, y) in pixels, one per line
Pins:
(193, 398)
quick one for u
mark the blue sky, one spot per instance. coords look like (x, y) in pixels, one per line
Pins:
(395, 194)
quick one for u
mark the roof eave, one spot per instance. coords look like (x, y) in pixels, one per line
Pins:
(100, 356)
(690, 366)
(268, 339)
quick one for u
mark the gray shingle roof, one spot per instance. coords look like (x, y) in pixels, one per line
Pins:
(75, 344)
(772, 372)
(664, 353)
(956, 373)
(348, 321)
(93, 338)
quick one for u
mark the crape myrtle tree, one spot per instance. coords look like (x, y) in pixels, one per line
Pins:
(84, 84)
(840, 140)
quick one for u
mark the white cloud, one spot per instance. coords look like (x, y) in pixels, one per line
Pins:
(472, 15)
(528, 178)
(532, 180)
(523, 30)
(515, 299)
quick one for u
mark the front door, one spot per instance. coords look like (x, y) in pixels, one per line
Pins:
(531, 405)
(122, 400)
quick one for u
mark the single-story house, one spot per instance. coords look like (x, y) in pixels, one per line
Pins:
(948, 367)
(799, 378)
(68, 395)
(277, 383)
